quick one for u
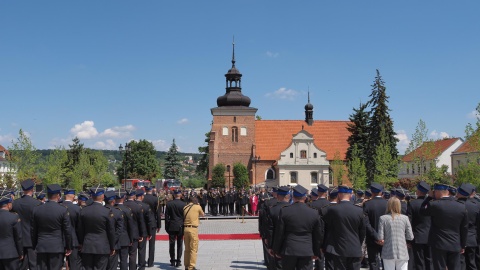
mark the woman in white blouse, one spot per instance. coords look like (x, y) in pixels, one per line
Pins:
(394, 230)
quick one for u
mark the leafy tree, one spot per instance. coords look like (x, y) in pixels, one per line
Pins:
(218, 175)
(421, 148)
(338, 168)
(356, 169)
(418, 138)
(358, 132)
(24, 157)
(7, 181)
(73, 159)
(386, 167)
(468, 173)
(381, 133)
(240, 176)
(172, 163)
(139, 161)
(54, 167)
(202, 167)
(197, 181)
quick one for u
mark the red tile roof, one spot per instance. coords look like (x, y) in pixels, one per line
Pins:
(2, 149)
(430, 150)
(274, 136)
(466, 147)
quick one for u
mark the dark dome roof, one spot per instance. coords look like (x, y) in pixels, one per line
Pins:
(233, 98)
(309, 106)
(233, 70)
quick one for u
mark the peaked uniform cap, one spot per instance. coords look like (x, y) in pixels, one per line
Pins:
(299, 191)
(423, 186)
(97, 191)
(322, 188)
(110, 195)
(27, 184)
(466, 189)
(376, 187)
(314, 192)
(54, 189)
(5, 199)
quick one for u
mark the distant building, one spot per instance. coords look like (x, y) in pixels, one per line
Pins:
(276, 152)
(5, 166)
(429, 154)
(469, 151)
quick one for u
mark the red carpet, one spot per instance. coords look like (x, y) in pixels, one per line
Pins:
(243, 236)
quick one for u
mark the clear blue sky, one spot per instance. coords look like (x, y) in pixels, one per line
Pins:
(111, 71)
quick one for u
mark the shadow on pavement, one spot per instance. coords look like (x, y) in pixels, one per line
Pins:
(164, 266)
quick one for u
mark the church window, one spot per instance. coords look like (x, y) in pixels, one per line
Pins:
(234, 119)
(225, 131)
(270, 174)
(234, 134)
(303, 154)
(293, 177)
(314, 155)
(291, 155)
(243, 131)
(314, 177)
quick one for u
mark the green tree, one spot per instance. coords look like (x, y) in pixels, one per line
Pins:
(202, 167)
(386, 167)
(358, 132)
(357, 173)
(338, 169)
(240, 176)
(172, 163)
(139, 161)
(74, 154)
(380, 131)
(54, 167)
(218, 175)
(421, 149)
(24, 157)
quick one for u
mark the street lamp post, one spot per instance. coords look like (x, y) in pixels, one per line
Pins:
(228, 170)
(125, 157)
(255, 159)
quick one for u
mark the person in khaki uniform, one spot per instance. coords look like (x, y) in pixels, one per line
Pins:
(191, 214)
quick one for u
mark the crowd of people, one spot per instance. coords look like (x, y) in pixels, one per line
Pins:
(94, 230)
(339, 228)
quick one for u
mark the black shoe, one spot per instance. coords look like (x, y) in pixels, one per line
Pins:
(178, 264)
(172, 263)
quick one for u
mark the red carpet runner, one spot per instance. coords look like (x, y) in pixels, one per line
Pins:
(243, 236)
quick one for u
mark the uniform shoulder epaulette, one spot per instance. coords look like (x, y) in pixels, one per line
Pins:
(327, 205)
(461, 201)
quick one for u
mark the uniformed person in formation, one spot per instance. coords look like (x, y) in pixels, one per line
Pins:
(298, 235)
(150, 225)
(263, 224)
(467, 259)
(374, 209)
(174, 227)
(130, 234)
(24, 208)
(119, 228)
(191, 213)
(11, 253)
(421, 228)
(74, 260)
(51, 231)
(152, 201)
(345, 225)
(40, 196)
(318, 204)
(283, 198)
(96, 232)
(139, 222)
(449, 229)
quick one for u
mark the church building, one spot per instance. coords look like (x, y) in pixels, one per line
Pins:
(276, 152)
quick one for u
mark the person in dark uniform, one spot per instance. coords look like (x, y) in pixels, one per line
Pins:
(74, 260)
(174, 227)
(139, 221)
(421, 228)
(51, 231)
(360, 196)
(318, 204)
(313, 196)
(283, 198)
(298, 234)
(24, 208)
(449, 229)
(150, 225)
(345, 225)
(374, 209)
(11, 243)
(96, 232)
(152, 201)
(40, 196)
(202, 199)
(82, 199)
(130, 234)
(263, 225)
(467, 259)
(230, 202)
(119, 228)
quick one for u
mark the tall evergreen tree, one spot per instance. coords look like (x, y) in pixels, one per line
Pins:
(380, 131)
(172, 163)
(202, 168)
(358, 132)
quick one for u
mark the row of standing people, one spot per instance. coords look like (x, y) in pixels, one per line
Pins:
(442, 231)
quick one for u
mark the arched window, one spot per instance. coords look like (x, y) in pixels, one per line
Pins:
(270, 174)
(303, 154)
(293, 177)
(234, 134)
(314, 155)
(291, 155)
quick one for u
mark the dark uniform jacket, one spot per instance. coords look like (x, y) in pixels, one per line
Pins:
(174, 216)
(130, 230)
(119, 225)
(24, 208)
(138, 218)
(51, 231)
(449, 223)
(263, 217)
(148, 218)
(319, 204)
(472, 213)
(10, 235)
(346, 229)
(420, 223)
(96, 232)
(374, 209)
(74, 214)
(272, 219)
(152, 201)
(298, 231)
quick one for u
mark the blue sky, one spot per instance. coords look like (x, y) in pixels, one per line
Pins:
(111, 71)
